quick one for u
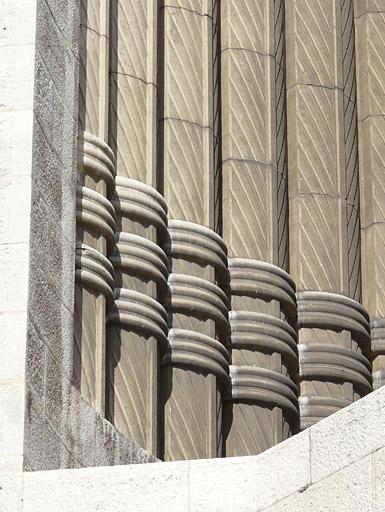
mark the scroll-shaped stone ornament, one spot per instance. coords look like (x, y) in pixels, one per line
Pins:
(195, 368)
(137, 330)
(334, 344)
(95, 218)
(263, 407)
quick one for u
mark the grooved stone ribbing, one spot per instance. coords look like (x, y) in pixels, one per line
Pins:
(137, 326)
(254, 130)
(95, 214)
(255, 222)
(186, 117)
(324, 195)
(201, 118)
(370, 47)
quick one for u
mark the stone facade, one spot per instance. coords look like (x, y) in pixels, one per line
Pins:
(191, 244)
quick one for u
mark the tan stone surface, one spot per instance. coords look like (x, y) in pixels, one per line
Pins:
(370, 45)
(243, 116)
(324, 205)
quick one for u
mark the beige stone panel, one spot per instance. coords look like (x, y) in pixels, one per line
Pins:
(190, 432)
(202, 7)
(132, 387)
(93, 104)
(312, 140)
(89, 80)
(370, 43)
(244, 25)
(133, 78)
(254, 131)
(130, 25)
(248, 204)
(128, 125)
(314, 243)
(253, 430)
(312, 48)
(246, 92)
(187, 115)
(90, 15)
(188, 182)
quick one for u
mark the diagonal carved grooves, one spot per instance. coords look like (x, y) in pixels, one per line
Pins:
(224, 372)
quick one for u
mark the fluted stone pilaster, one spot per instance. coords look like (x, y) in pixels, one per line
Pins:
(264, 408)
(195, 369)
(324, 193)
(133, 88)
(187, 110)
(95, 219)
(370, 47)
(95, 214)
(137, 322)
(138, 326)
(254, 130)
(333, 354)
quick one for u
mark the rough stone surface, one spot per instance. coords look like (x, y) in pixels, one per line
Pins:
(279, 480)
(61, 429)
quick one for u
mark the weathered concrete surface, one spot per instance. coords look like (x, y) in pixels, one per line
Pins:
(334, 465)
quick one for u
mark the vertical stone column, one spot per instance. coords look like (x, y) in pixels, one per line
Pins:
(370, 46)
(95, 214)
(195, 373)
(263, 409)
(324, 216)
(195, 368)
(138, 324)
(187, 108)
(254, 130)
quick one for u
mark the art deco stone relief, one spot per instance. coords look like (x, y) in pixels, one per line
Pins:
(230, 177)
